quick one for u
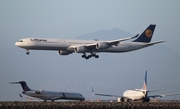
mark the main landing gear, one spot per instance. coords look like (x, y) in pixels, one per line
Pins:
(27, 52)
(89, 56)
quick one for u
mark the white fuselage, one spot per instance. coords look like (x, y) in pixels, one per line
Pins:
(134, 94)
(49, 95)
(61, 44)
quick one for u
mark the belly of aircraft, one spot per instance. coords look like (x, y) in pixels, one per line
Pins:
(46, 46)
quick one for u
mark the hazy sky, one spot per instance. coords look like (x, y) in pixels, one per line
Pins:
(111, 73)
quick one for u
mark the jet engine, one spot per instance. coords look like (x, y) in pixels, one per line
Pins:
(120, 100)
(146, 99)
(61, 52)
(38, 92)
(102, 45)
(80, 49)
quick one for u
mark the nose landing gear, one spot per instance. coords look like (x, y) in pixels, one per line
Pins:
(27, 52)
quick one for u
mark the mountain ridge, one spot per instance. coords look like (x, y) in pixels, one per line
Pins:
(111, 34)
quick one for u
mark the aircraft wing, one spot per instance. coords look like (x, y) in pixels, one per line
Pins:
(155, 90)
(114, 96)
(93, 46)
(153, 96)
(56, 98)
(115, 42)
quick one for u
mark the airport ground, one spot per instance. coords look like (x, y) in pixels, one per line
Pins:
(89, 105)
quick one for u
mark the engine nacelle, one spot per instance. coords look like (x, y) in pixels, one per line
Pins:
(29, 92)
(102, 45)
(38, 92)
(80, 49)
(61, 52)
(120, 100)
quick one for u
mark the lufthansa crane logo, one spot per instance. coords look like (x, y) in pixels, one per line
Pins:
(148, 33)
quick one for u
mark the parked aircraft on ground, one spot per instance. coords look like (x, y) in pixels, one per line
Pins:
(137, 94)
(66, 47)
(48, 95)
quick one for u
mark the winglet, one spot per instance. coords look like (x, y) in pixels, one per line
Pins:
(135, 36)
(145, 82)
(92, 91)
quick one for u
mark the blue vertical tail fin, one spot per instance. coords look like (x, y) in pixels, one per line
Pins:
(145, 82)
(23, 85)
(146, 35)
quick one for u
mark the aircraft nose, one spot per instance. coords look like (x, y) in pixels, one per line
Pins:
(16, 43)
(83, 98)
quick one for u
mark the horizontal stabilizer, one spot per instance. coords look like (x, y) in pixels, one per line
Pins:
(14, 83)
(23, 85)
(152, 43)
(172, 94)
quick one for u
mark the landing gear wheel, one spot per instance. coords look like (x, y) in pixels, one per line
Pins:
(93, 54)
(87, 57)
(27, 53)
(96, 56)
(126, 100)
(83, 56)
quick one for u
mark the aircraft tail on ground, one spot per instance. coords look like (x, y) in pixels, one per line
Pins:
(146, 35)
(145, 82)
(23, 84)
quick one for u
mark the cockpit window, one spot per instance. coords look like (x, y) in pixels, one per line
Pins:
(20, 41)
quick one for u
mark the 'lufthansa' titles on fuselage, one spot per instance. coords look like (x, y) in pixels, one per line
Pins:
(38, 40)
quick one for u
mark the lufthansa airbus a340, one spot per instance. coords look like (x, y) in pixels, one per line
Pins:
(66, 47)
